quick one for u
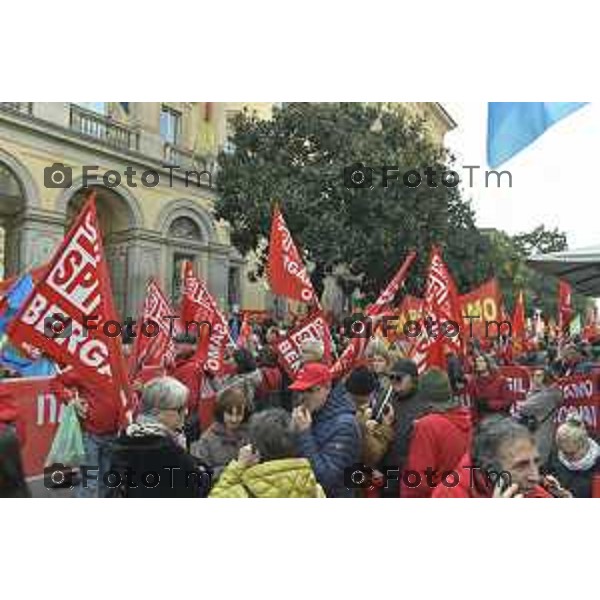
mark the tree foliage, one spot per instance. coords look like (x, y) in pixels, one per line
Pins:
(298, 159)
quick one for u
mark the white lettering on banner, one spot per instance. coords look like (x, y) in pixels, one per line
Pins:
(577, 391)
(75, 276)
(92, 352)
(290, 354)
(216, 341)
(588, 414)
(315, 330)
(49, 410)
(516, 385)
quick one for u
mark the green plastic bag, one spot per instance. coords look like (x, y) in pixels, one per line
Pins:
(67, 447)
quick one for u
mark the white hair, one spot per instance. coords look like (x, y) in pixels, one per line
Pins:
(163, 393)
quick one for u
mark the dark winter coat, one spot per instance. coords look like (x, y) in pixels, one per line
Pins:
(179, 474)
(333, 442)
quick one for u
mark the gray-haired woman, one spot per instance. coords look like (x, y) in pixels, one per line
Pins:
(150, 459)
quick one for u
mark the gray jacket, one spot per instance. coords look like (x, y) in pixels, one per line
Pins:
(540, 407)
(216, 448)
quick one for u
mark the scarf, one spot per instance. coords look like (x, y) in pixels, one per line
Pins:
(148, 425)
(586, 462)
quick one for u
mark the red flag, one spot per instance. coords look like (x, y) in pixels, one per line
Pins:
(198, 305)
(288, 349)
(440, 306)
(287, 274)
(355, 349)
(151, 349)
(518, 324)
(483, 304)
(565, 307)
(75, 291)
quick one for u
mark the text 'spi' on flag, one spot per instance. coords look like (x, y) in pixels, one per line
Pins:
(512, 126)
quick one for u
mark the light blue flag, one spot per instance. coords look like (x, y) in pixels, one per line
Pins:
(9, 356)
(512, 126)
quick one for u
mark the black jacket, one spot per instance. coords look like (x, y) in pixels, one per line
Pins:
(406, 410)
(154, 466)
(579, 483)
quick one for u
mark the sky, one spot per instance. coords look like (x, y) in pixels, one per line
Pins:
(553, 179)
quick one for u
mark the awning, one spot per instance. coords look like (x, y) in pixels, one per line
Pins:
(581, 268)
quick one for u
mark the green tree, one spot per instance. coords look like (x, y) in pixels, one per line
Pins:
(298, 159)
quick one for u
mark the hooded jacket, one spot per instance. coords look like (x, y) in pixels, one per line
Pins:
(333, 442)
(471, 485)
(438, 443)
(285, 478)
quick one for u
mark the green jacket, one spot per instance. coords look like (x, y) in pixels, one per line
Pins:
(286, 478)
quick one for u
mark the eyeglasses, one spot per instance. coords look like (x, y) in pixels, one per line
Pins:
(182, 410)
(398, 378)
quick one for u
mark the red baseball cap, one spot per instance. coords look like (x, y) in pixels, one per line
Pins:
(311, 375)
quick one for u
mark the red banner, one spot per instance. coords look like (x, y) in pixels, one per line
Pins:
(581, 393)
(75, 291)
(288, 349)
(40, 412)
(287, 274)
(484, 304)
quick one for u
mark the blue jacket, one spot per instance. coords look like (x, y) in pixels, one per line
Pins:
(333, 442)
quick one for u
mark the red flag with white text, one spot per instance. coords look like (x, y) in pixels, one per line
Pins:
(213, 335)
(154, 344)
(288, 348)
(75, 292)
(287, 274)
(441, 310)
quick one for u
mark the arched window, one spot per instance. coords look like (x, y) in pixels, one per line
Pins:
(184, 227)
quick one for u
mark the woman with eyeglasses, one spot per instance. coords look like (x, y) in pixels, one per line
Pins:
(150, 459)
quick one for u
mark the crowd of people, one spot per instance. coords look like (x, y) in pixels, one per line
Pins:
(380, 430)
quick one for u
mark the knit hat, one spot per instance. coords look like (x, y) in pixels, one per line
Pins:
(404, 366)
(434, 386)
(361, 382)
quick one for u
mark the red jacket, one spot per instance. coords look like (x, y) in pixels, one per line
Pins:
(438, 442)
(471, 484)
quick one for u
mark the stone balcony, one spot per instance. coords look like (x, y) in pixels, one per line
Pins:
(103, 129)
(71, 121)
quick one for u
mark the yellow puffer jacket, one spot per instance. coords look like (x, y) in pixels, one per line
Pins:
(286, 478)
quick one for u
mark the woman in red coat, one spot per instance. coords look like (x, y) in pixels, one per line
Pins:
(488, 390)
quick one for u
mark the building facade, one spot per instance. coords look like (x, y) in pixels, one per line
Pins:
(150, 227)
(150, 224)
